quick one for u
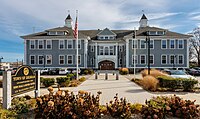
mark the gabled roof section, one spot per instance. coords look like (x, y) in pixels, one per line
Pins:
(144, 17)
(106, 31)
(68, 17)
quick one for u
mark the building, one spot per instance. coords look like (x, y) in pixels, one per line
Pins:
(106, 49)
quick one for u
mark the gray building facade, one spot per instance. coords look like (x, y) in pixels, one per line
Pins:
(106, 49)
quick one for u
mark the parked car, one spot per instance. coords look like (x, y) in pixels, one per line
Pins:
(44, 71)
(53, 71)
(63, 71)
(193, 72)
(179, 74)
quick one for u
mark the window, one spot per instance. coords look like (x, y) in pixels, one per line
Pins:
(49, 44)
(142, 59)
(106, 51)
(134, 42)
(61, 59)
(180, 44)
(120, 48)
(92, 61)
(172, 44)
(120, 61)
(101, 37)
(164, 59)
(106, 37)
(151, 60)
(172, 59)
(180, 59)
(152, 44)
(40, 59)
(101, 50)
(69, 44)
(52, 33)
(61, 44)
(79, 59)
(111, 50)
(32, 44)
(69, 59)
(164, 44)
(48, 59)
(152, 33)
(79, 44)
(142, 44)
(160, 32)
(111, 37)
(60, 33)
(134, 59)
(92, 48)
(40, 44)
(32, 59)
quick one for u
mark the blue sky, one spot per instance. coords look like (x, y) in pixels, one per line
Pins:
(19, 17)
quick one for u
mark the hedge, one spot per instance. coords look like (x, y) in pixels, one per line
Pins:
(63, 81)
(47, 81)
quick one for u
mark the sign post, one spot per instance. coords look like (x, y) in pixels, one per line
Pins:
(6, 89)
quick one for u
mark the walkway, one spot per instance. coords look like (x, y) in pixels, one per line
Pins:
(125, 88)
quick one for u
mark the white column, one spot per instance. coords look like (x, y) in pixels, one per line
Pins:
(37, 85)
(96, 63)
(116, 53)
(7, 89)
(85, 52)
(127, 53)
(25, 51)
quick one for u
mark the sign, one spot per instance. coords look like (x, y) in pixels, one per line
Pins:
(23, 80)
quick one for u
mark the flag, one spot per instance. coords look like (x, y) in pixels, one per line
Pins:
(75, 32)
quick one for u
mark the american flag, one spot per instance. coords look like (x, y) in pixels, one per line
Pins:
(76, 29)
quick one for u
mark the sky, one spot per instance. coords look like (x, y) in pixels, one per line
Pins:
(23, 17)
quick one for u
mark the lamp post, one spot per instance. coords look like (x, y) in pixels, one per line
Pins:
(148, 50)
(0, 61)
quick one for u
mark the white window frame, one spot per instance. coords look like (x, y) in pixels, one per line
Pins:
(47, 44)
(153, 43)
(171, 44)
(136, 59)
(170, 59)
(101, 48)
(79, 44)
(69, 41)
(111, 48)
(42, 60)
(108, 50)
(182, 44)
(182, 59)
(120, 48)
(153, 59)
(33, 45)
(80, 59)
(120, 61)
(47, 59)
(92, 48)
(60, 44)
(63, 59)
(162, 43)
(134, 43)
(141, 44)
(68, 59)
(162, 59)
(144, 59)
(42, 44)
(34, 60)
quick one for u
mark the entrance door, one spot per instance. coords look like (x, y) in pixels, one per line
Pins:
(106, 65)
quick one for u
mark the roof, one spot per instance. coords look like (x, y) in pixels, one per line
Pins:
(68, 17)
(144, 17)
(92, 34)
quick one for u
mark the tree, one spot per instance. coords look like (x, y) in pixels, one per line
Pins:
(194, 49)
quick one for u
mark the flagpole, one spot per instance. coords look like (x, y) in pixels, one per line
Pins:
(77, 46)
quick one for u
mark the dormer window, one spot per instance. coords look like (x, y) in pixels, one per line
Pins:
(156, 33)
(106, 37)
(59, 33)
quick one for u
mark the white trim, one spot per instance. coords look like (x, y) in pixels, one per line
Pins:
(51, 59)
(141, 44)
(136, 42)
(39, 45)
(153, 59)
(68, 59)
(96, 62)
(127, 53)
(135, 58)
(144, 58)
(170, 59)
(179, 43)
(34, 60)
(50, 44)
(153, 43)
(30, 44)
(187, 55)
(165, 59)
(63, 59)
(39, 60)
(25, 52)
(170, 44)
(60, 44)
(92, 48)
(71, 41)
(162, 43)
(182, 59)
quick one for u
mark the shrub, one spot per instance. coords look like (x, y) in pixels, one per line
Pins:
(136, 108)
(189, 84)
(48, 81)
(153, 72)
(68, 106)
(63, 81)
(149, 83)
(82, 79)
(90, 71)
(7, 114)
(74, 83)
(123, 71)
(71, 76)
(85, 71)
